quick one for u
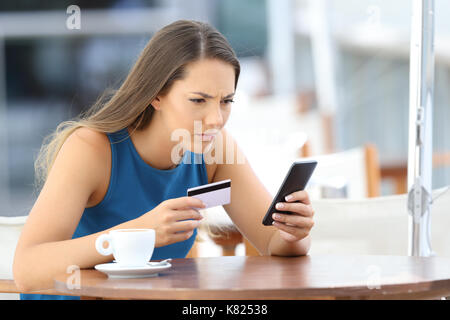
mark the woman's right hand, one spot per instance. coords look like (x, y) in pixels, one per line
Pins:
(174, 220)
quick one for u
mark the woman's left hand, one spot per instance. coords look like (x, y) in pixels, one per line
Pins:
(296, 225)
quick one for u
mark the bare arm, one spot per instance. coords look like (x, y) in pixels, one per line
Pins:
(250, 200)
(46, 247)
(36, 265)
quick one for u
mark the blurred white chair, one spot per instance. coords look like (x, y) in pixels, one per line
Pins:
(375, 225)
(10, 229)
(353, 173)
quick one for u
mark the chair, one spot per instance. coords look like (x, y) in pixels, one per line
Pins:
(377, 226)
(356, 171)
(396, 170)
(218, 227)
(10, 229)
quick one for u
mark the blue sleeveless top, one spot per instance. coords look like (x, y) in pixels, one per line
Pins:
(134, 189)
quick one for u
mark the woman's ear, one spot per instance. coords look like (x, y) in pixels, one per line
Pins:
(156, 103)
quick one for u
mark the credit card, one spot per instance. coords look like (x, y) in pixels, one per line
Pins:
(212, 194)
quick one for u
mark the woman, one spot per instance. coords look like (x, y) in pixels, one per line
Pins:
(114, 168)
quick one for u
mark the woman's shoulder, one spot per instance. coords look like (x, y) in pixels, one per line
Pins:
(94, 138)
(90, 143)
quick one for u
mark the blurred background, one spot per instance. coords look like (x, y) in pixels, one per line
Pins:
(318, 78)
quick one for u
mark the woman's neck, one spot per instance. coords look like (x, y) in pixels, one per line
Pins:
(154, 145)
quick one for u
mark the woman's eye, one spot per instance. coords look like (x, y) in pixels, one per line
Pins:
(197, 100)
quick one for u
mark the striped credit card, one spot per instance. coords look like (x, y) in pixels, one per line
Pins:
(212, 194)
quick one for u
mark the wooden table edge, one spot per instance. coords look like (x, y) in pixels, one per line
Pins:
(385, 292)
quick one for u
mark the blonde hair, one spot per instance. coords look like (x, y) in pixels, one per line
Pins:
(162, 61)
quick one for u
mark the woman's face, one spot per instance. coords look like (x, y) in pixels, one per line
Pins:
(199, 104)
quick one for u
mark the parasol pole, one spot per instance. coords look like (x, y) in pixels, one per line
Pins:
(420, 147)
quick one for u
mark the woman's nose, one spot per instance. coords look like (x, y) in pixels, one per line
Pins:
(214, 118)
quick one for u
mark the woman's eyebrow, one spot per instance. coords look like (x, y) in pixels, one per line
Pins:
(207, 96)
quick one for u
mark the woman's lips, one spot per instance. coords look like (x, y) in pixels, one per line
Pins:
(206, 137)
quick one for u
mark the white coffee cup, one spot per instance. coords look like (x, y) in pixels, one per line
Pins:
(130, 247)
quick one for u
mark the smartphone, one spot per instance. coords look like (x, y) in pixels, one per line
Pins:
(295, 180)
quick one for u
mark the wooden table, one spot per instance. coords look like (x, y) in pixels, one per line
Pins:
(268, 277)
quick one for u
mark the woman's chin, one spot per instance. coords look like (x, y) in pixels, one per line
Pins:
(202, 146)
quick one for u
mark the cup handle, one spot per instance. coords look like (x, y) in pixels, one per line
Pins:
(99, 244)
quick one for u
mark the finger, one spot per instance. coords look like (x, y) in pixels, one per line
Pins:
(183, 226)
(184, 202)
(301, 196)
(179, 215)
(181, 236)
(296, 207)
(295, 220)
(300, 233)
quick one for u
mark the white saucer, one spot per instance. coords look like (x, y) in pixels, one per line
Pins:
(114, 270)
